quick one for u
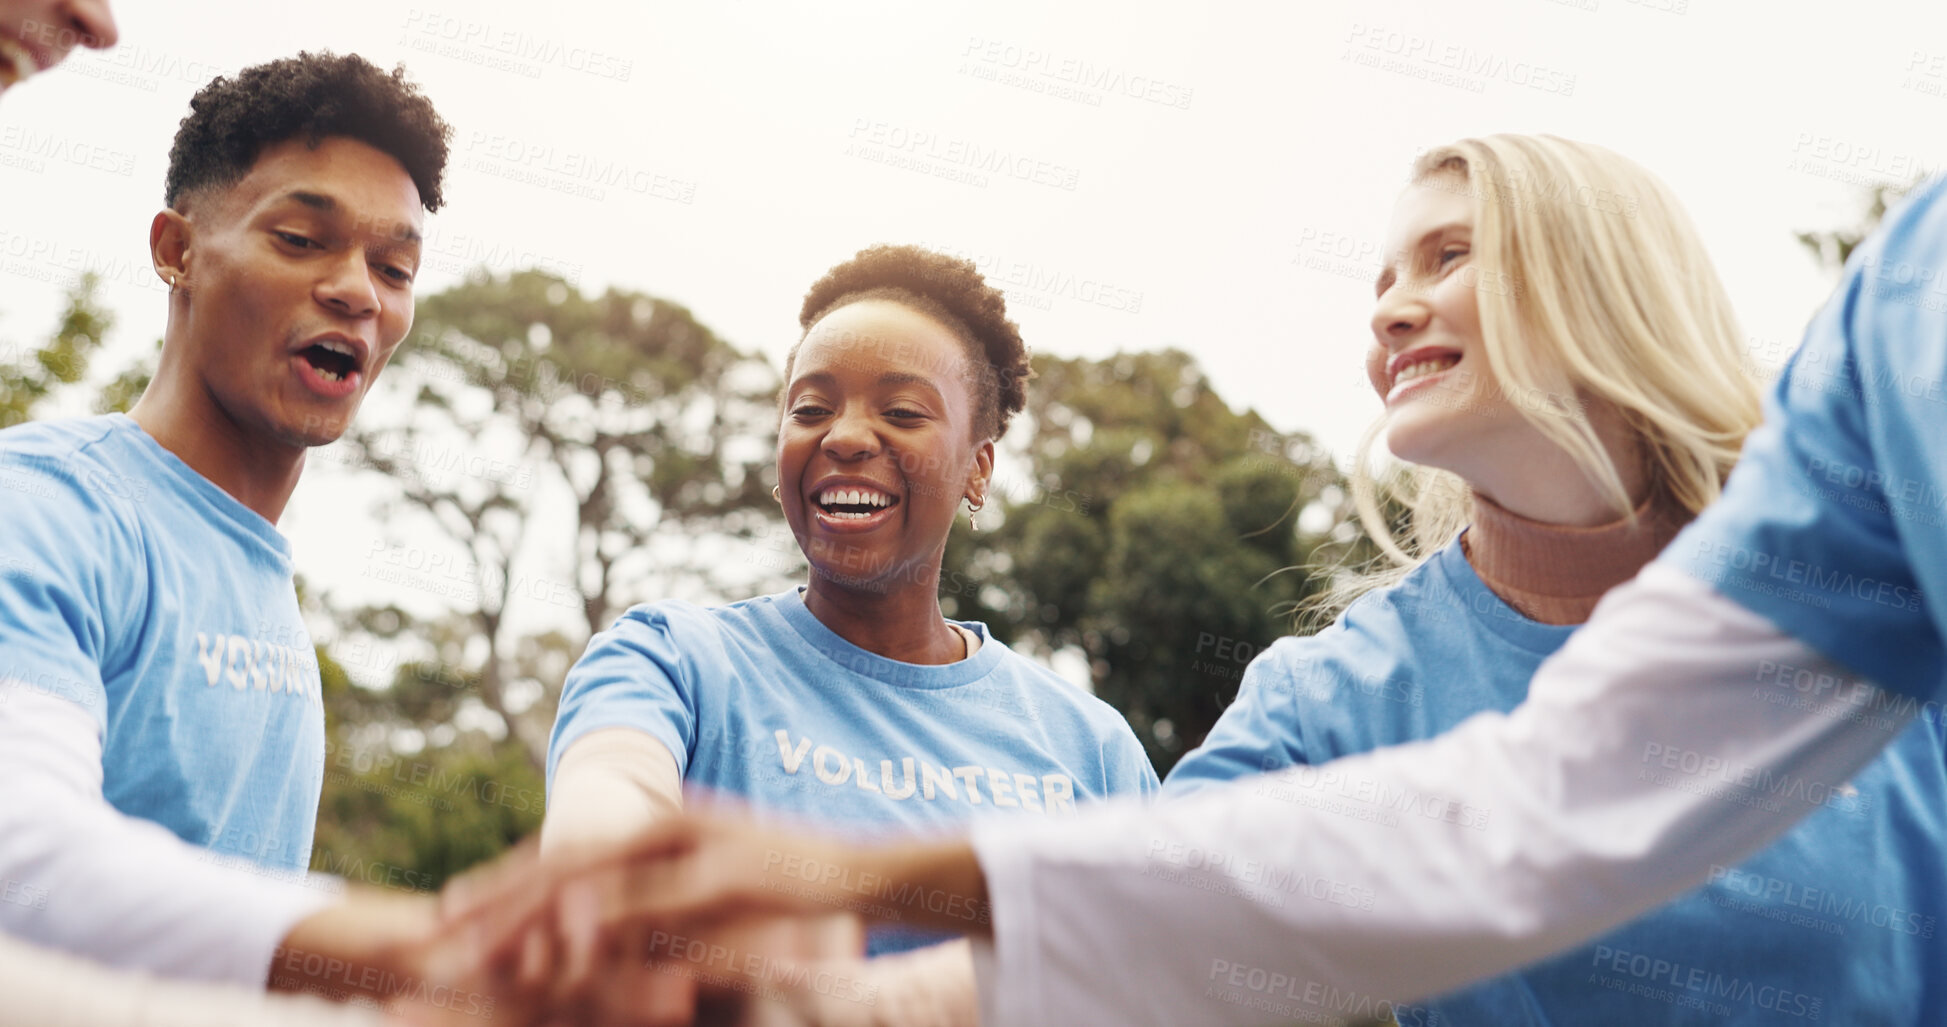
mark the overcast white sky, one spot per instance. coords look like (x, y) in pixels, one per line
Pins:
(1209, 176)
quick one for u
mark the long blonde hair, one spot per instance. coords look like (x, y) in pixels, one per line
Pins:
(1593, 287)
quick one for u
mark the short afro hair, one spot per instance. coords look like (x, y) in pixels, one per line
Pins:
(951, 291)
(310, 97)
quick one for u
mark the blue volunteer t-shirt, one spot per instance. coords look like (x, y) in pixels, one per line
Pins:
(139, 590)
(1834, 524)
(761, 700)
(1836, 923)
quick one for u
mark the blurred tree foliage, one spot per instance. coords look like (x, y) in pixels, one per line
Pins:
(412, 816)
(28, 380)
(1158, 534)
(655, 431)
(121, 391)
(1833, 247)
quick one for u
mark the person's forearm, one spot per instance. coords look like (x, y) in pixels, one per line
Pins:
(44, 987)
(367, 945)
(79, 876)
(929, 987)
(936, 885)
(1650, 748)
(608, 785)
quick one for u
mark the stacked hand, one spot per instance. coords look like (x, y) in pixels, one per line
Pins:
(704, 918)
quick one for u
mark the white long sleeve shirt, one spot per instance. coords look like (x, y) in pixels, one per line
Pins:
(78, 875)
(1651, 747)
(42, 988)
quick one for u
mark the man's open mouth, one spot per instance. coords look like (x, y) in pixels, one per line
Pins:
(333, 360)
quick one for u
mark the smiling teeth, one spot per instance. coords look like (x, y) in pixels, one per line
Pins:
(1423, 368)
(853, 497)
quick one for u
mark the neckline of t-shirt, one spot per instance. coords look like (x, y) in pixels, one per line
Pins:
(865, 663)
(1491, 611)
(231, 509)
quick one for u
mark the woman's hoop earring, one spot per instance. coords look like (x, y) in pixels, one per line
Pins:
(972, 509)
(777, 493)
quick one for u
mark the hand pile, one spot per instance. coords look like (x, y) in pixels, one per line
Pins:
(702, 919)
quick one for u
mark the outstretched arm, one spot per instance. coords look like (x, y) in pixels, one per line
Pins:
(45, 987)
(1661, 740)
(610, 784)
(83, 877)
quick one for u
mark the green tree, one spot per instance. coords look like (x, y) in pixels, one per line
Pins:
(522, 420)
(634, 416)
(118, 396)
(29, 380)
(1833, 247)
(1159, 535)
(411, 797)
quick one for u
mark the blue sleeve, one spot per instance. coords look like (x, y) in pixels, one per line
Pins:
(1130, 770)
(1258, 733)
(65, 557)
(637, 674)
(1834, 524)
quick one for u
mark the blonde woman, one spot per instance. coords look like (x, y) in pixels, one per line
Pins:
(1558, 359)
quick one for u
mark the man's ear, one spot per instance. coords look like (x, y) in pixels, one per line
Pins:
(981, 475)
(169, 236)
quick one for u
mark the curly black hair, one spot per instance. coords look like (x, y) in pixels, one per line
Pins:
(310, 96)
(949, 290)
